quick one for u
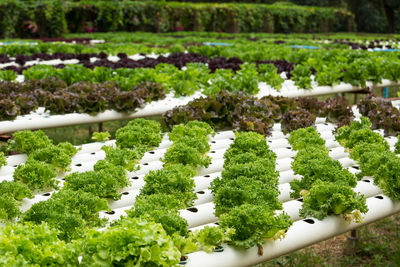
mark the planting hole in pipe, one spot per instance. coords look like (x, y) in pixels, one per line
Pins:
(216, 223)
(379, 197)
(367, 181)
(183, 260)
(152, 152)
(46, 194)
(232, 138)
(201, 192)
(356, 167)
(219, 249)
(300, 200)
(78, 165)
(212, 151)
(310, 221)
(93, 153)
(145, 164)
(135, 177)
(125, 193)
(110, 212)
(213, 142)
(193, 209)
(288, 147)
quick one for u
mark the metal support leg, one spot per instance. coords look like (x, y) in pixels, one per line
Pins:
(385, 92)
(90, 131)
(352, 241)
(100, 127)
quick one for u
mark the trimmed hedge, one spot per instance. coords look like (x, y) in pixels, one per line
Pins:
(106, 16)
(32, 18)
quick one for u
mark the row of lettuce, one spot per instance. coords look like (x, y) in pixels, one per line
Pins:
(75, 88)
(341, 64)
(237, 45)
(165, 39)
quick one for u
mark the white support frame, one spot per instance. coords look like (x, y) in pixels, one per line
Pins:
(303, 232)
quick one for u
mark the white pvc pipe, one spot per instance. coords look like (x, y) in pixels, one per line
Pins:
(301, 234)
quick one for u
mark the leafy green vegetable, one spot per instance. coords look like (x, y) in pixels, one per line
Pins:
(254, 224)
(133, 242)
(185, 154)
(185, 244)
(26, 244)
(262, 170)
(190, 144)
(105, 181)
(210, 238)
(139, 133)
(124, 157)
(3, 161)
(387, 176)
(52, 155)
(27, 141)
(246, 79)
(161, 201)
(172, 222)
(243, 190)
(85, 204)
(68, 148)
(9, 208)
(342, 134)
(101, 136)
(248, 142)
(193, 129)
(301, 76)
(304, 137)
(161, 208)
(173, 179)
(315, 165)
(326, 198)
(8, 75)
(376, 148)
(220, 80)
(16, 190)
(365, 136)
(329, 75)
(68, 211)
(36, 175)
(269, 74)
(397, 145)
(68, 224)
(356, 74)
(10, 195)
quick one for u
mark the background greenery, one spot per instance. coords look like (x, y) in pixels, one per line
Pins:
(50, 18)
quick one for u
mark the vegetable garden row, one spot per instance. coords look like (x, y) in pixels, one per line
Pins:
(79, 89)
(233, 196)
(241, 167)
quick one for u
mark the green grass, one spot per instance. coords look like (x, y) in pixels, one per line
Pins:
(378, 245)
